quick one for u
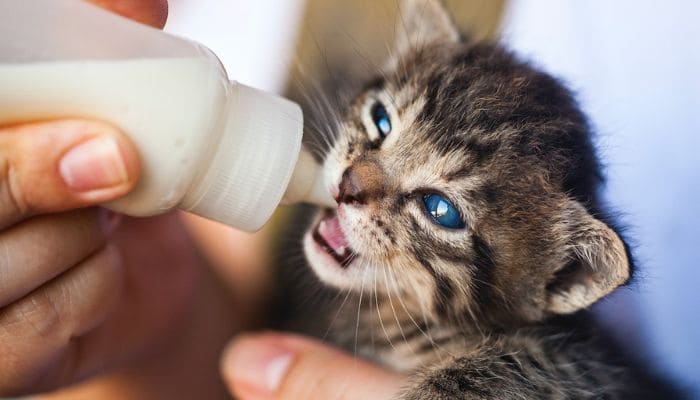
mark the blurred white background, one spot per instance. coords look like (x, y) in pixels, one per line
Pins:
(254, 40)
(635, 65)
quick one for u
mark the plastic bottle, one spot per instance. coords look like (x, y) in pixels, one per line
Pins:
(208, 145)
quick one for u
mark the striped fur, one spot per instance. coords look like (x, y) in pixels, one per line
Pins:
(493, 310)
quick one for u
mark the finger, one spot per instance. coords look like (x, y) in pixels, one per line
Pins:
(149, 12)
(40, 339)
(273, 366)
(35, 251)
(61, 165)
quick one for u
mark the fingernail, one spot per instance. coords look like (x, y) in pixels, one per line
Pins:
(258, 365)
(93, 165)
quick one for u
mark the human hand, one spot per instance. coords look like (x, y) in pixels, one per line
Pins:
(78, 295)
(275, 366)
(85, 292)
(81, 294)
(59, 275)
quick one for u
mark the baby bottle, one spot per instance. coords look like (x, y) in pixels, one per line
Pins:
(208, 145)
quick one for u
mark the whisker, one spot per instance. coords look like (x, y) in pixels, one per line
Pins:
(335, 317)
(371, 330)
(359, 306)
(379, 315)
(393, 310)
(423, 332)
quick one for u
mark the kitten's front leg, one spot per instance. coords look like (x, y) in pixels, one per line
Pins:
(469, 379)
(514, 375)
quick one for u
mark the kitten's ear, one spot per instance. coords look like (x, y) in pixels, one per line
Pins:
(595, 261)
(422, 22)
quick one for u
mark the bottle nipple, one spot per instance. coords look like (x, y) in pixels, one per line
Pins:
(306, 184)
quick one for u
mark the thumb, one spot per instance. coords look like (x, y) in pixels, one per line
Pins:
(60, 165)
(276, 366)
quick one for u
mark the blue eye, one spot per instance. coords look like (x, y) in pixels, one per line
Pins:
(381, 119)
(442, 211)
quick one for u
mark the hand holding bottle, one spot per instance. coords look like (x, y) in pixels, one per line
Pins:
(60, 275)
(208, 145)
(77, 296)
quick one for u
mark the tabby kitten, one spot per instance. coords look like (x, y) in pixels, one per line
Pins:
(468, 221)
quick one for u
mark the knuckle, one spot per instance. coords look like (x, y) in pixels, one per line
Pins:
(41, 335)
(29, 330)
(68, 305)
(12, 200)
(36, 316)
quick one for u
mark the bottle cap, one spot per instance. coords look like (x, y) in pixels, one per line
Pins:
(251, 167)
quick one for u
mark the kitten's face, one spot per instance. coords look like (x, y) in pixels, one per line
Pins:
(459, 175)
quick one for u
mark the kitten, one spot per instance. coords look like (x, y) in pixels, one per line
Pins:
(468, 227)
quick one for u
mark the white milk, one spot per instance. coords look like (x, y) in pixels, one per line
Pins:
(167, 106)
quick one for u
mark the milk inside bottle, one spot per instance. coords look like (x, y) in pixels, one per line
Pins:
(207, 144)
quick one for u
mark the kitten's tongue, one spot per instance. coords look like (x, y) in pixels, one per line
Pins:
(330, 231)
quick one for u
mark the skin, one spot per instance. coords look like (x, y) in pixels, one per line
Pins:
(96, 305)
(274, 366)
(149, 12)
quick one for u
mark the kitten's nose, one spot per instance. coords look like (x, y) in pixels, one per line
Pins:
(360, 183)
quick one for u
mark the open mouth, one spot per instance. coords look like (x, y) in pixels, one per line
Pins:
(331, 239)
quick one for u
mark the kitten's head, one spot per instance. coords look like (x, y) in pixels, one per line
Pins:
(466, 183)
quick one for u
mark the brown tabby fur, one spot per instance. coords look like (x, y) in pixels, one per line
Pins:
(494, 310)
